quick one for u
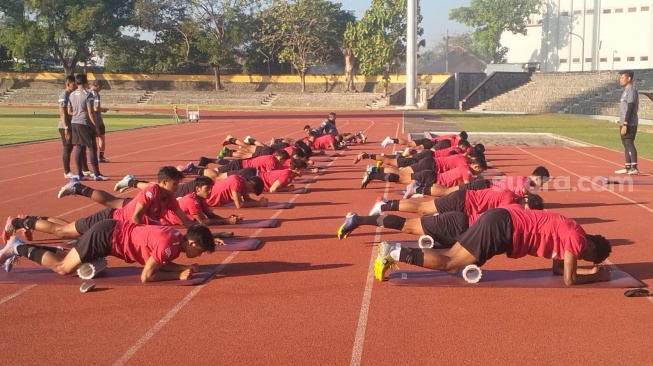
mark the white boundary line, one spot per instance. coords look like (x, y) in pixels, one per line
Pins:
(597, 186)
(15, 294)
(359, 338)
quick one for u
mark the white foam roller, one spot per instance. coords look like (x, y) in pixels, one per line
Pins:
(425, 245)
(472, 273)
(89, 270)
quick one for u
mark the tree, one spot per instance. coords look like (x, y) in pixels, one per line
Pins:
(493, 17)
(306, 32)
(378, 40)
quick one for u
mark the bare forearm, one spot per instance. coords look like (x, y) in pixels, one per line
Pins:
(173, 267)
(161, 276)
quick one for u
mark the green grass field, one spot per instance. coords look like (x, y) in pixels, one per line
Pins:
(19, 125)
(597, 132)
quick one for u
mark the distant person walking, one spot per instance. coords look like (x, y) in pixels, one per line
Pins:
(85, 128)
(628, 121)
(64, 125)
(96, 88)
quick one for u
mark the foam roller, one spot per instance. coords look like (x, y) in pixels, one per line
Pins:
(89, 270)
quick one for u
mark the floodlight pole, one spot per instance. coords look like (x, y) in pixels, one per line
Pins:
(411, 55)
(582, 44)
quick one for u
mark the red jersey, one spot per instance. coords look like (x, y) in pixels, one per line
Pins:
(445, 152)
(449, 163)
(221, 191)
(454, 177)
(190, 204)
(450, 137)
(544, 234)
(263, 163)
(283, 176)
(154, 200)
(477, 202)
(137, 243)
(515, 184)
(323, 142)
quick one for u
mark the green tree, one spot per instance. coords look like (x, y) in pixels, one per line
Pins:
(378, 39)
(493, 17)
(306, 32)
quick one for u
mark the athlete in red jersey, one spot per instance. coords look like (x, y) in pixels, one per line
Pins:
(517, 233)
(520, 185)
(280, 180)
(155, 247)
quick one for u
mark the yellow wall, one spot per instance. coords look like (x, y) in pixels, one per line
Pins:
(225, 78)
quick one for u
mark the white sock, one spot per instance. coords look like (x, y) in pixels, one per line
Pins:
(394, 253)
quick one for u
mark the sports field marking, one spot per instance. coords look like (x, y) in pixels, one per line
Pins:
(181, 304)
(361, 327)
(597, 186)
(15, 294)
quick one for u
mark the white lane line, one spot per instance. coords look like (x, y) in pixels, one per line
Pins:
(15, 294)
(361, 327)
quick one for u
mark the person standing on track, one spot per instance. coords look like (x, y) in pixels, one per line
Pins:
(84, 127)
(64, 127)
(628, 121)
(96, 88)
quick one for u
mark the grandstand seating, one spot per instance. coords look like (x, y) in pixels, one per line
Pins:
(589, 93)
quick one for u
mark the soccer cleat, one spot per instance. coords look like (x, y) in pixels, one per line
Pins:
(103, 160)
(358, 158)
(622, 171)
(369, 169)
(406, 152)
(363, 138)
(388, 140)
(418, 195)
(100, 178)
(227, 140)
(366, 180)
(68, 189)
(9, 229)
(633, 171)
(383, 261)
(223, 152)
(186, 169)
(69, 175)
(376, 210)
(248, 140)
(87, 173)
(411, 189)
(123, 184)
(9, 254)
(348, 226)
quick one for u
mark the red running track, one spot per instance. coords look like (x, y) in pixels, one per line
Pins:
(307, 298)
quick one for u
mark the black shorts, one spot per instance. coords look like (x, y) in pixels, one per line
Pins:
(425, 178)
(453, 202)
(490, 235)
(403, 161)
(445, 228)
(85, 224)
(64, 141)
(631, 133)
(185, 188)
(263, 150)
(424, 154)
(279, 146)
(441, 145)
(427, 143)
(96, 242)
(245, 173)
(83, 135)
(475, 185)
(232, 165)
(424, 164)
(102, 128)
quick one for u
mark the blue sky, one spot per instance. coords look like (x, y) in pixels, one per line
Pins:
(435, 13)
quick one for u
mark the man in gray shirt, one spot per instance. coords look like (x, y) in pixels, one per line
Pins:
(64, 126)
(628, 121)
(84, 127)
(96, 88)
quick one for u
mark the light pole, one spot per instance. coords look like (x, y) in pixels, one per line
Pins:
(613, 53)
(268, 59)
(411, 55)
(582, 57)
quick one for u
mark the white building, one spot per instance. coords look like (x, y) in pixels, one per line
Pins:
(585, 35)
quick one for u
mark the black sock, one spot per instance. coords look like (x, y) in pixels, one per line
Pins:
(412, 256)
(197, 171)
(365, 220)
(392, 222)
(633, 166)
(83, 190)
(101, 154)
(228, 153)
(377, 176)
(392, 205)
(232, 140)
(391, 177)
(204, 161)
(371, 156)
(252, 141)
(395, 141)
(132, 183)
(27, 223)
(424, 190)
(366, 156)
(32, 252)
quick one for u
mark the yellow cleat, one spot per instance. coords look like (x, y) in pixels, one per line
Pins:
(383, 261)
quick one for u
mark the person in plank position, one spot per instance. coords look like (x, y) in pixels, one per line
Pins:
(154, 247)
(400, 161)
(192, 204)
(148, 207)
(443, 227)
(436, 143)
(516, 233)
(520, 185)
